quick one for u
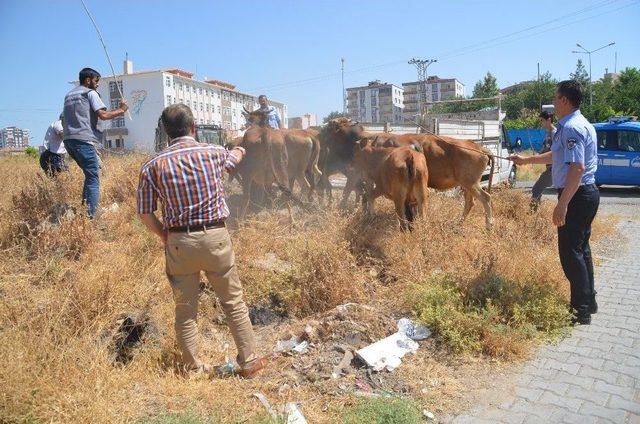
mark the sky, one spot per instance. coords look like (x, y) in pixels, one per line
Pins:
(291, 50)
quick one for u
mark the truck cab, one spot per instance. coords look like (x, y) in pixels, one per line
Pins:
(209, 134)
(618, 151)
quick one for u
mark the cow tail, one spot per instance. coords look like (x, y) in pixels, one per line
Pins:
(411, 168)
(492, 160)
(279, 183)
(315, 157)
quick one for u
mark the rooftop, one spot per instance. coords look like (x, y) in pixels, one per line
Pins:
(433, 78)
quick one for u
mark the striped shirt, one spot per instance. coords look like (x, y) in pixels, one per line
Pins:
(187, 178)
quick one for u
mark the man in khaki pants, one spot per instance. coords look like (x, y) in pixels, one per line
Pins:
(187, 178)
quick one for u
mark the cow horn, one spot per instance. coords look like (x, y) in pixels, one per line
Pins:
(245, 109)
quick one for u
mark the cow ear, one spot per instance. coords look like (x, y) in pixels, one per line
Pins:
(363, 142)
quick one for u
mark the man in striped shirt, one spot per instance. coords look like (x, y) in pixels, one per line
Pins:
(187, 179)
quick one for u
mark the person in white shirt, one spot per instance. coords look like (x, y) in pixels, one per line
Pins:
(52, 158)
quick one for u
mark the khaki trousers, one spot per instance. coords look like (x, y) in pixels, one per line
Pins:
(210, 251)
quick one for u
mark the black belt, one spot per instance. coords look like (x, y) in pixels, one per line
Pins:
(199, 227)
(580, 188)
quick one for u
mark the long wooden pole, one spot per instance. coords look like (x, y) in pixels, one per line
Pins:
(106, 52)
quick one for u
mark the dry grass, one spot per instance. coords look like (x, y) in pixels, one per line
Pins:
(530, 172)
(65, 287)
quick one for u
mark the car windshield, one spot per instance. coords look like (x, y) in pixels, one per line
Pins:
(629, 141)
(208, 136)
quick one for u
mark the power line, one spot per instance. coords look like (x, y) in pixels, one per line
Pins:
(564, 25)
(559, 18)
(467, 49)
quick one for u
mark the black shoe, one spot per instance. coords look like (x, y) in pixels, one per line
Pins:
(582, 319)
(593, 308)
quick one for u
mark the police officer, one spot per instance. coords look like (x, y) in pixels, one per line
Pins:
(574, 160)
(544, 180)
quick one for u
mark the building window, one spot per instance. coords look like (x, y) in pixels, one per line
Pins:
(117, 122)
(113, 91)
(201, 108)
(168, 100)
(188, 103)
(167, 81)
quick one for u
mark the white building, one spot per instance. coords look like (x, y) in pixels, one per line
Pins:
(376, 102)
(435, 89)
(303, 122)
(149, 92)
(14, 138)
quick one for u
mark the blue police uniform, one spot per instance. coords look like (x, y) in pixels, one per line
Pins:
(576, 142)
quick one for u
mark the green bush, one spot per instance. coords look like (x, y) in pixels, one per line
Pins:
(383, 411)
(522, 123)
(31, 152)
(489, 314)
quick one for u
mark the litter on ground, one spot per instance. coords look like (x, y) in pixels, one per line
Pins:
(388, 352)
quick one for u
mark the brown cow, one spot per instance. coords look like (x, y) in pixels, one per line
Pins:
(303, 151)
(452, 163)
(337, 140)
(398, 173)
(265, 161)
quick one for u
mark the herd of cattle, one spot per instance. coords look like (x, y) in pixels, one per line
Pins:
(399, 167)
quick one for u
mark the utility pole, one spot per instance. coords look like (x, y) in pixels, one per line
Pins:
(539, 88)
(422, 65)
(587, 52)
(344, 93)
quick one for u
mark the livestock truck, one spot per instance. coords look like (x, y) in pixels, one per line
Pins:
(484, 127)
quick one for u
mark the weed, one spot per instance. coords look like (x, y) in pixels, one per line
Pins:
(383, 411)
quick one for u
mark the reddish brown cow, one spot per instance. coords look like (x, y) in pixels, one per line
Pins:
(398, 173)
(452, 163)
(303, 151)
(265, 161)
(337, 139)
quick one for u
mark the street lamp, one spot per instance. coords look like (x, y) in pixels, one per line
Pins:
(585, 51)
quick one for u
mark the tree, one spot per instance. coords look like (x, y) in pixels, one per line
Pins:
(334, 115)
(488, 87)
(526, 100)
(626, 92)
(580, 75)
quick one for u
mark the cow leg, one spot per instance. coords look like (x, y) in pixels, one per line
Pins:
(349, 186)
(468, 202)
(400, 202)
(292, 180)
(246, 196)
(371, 193)
(485, 199)
(305, 185)
(326, 188)
(421, 194)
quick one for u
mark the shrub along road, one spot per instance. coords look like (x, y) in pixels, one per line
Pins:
(593, 375)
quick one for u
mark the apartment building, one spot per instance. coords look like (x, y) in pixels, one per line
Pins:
(14, 138)
(149, 92)
(303, 122)
(376, 102)
(435, 89)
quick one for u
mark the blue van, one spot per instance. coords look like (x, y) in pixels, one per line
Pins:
(618, 151)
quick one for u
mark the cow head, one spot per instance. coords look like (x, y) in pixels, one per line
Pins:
(368, 141)
(255, 118)
(345, 129)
